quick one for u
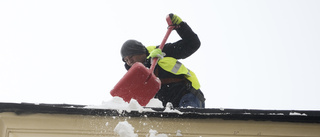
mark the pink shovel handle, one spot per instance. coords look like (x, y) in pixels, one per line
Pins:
(170, 28)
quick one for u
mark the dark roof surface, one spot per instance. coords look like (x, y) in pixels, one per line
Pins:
(304, 116)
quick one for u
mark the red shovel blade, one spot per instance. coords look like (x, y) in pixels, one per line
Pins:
(138, 83)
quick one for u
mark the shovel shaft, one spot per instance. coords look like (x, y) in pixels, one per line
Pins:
(154, 60)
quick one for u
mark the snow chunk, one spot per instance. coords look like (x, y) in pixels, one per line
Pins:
(169, 108)
(154, 133)
(124, 129)
(155, 103)
(179, 133)
(134, 105)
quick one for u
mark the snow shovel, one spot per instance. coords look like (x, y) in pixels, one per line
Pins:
(139, 82)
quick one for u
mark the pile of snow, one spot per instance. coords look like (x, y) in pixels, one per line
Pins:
(120, 105)
(125, 129)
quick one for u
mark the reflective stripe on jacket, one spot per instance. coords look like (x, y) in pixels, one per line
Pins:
(173, 66)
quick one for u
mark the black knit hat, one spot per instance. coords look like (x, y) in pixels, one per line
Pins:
(132, 47)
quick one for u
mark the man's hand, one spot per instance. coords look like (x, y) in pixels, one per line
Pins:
(176, 20)
(156, 53)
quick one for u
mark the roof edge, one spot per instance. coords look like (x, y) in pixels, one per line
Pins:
(302, 116)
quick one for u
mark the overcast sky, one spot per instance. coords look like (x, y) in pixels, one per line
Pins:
(253, 54)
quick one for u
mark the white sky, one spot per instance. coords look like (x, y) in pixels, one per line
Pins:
(254, 54)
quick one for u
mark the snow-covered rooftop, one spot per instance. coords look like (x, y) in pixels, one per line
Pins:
(117, 108)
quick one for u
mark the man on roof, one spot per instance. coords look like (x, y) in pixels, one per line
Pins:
(179, 85)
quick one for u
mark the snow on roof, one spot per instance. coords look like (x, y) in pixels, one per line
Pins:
(117, 107)
(165, 112)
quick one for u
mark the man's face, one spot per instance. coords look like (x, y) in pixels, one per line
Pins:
(130, 60)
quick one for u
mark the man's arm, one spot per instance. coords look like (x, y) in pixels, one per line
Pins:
(185, 47)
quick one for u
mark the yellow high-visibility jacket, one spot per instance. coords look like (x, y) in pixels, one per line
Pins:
(173, 66)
